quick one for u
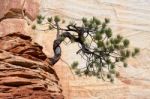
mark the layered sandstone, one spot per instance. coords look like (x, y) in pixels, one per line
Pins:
(129, 18)
(17, 15)
(25, 71)
(19, 8)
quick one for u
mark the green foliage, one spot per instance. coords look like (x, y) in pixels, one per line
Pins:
(56, 19)
(103, 50)
(78, 72)
(107, 45)
(126, 42)
(108, 32)
(100, 44)
(107, 20)
(125, 64)
(39, 21)
(74, 65)
(135, 52)
(84, 20)
(40, 18)
(50, 19)
(33, 27)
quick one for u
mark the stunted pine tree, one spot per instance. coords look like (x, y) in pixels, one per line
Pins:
(101, 50)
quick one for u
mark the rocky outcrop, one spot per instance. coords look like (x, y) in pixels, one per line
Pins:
(24, 70)
(19, 9)
(13, 25)
(15, 15)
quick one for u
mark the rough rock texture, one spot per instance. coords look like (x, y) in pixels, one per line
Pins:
(13, 25)
(19, 8)
(15, 15)
(24, 70)
(129, 18)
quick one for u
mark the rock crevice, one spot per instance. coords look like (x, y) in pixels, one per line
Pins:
(25, 71)
(23, 74)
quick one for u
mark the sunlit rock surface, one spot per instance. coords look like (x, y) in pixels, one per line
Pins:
(15, 8)
(129, 18)
(17, 15)
(25, 72)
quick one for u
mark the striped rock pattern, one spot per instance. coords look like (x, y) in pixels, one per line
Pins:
(129, 18)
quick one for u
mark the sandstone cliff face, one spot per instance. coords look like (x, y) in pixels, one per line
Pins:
(19, 8)
(128, 18)
(25, 72)
(16, 15)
